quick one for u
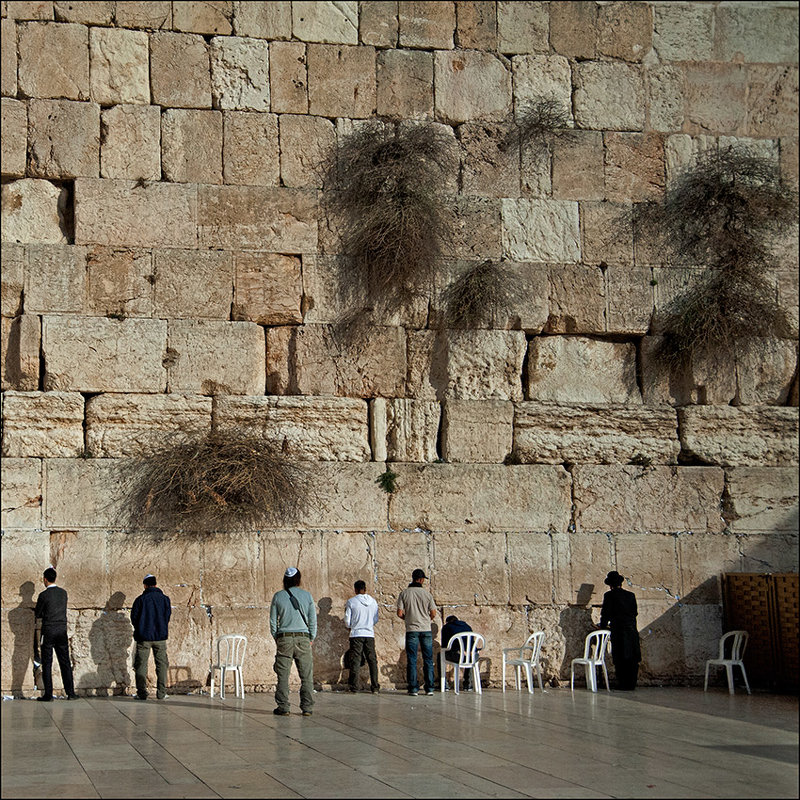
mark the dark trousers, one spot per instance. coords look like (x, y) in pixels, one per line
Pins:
(465, 678)
(627, 670)
(363, 645)
(422, 640)
(140, 659)
(56, 640)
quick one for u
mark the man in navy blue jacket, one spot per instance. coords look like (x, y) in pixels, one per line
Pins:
(452, 626)
(150, 617)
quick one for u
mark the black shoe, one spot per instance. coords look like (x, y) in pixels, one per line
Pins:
(376, 690)
(45, 699)
(353, 690)
(72, 697)
(279, 712)
(141, 697)
(307, 713)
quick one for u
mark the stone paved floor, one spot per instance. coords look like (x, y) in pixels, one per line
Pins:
(652, 743)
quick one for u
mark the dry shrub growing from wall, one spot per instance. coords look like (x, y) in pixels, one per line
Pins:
(537, 125)
(480, 296)
(220, 482)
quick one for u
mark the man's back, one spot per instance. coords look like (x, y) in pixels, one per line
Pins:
(150, 615)
(361, 614)
(51, 608)
(417, 603)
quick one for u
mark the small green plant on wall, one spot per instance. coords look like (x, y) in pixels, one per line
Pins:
(218, 482)
(387, 480)
(724, 214)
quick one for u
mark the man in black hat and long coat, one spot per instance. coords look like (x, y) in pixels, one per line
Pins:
(619, 615)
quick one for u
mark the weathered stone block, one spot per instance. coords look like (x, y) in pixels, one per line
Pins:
(763, 499)
(541, 230)
(308, 428)
(772, 100)
(15, 137)
(595, 434)
(267, 289)
(95, 12)
(405, 84)
(191, 146)
(765, 369)
(192, 284)
(477, 431)
(471, 85)
(95, 354)
(42, 424)
(310, 360)
(583, 567)
(634, 168)
(126, 214)
(257, 218)
(341, 80)
(573, 29)
(64, 139)
(12, 278)
(130, 143)
(21, 549)
(488, 167)
(665, 93)
(101, 647)
(120, 282)
(477, 228)
(578, 166)
(28, 9)
(210, 357)
(625, 30)
(578, 370)
(240, 73)
(8, 57)
(476, 24)
(180, 74)
(756, 33)
(55, 279)
(530, 577)
(33, 211)
(334, 23)
(153, 14)
(607, 233)
(650, 562)
(412, 427)
(208, 18)
(472, 568)
(130, 424)
(20, 352)
(22, 493)
(683, 31)
(378, 23)
(790, 161)
(522, 27)
(716, 98)
(772, 552)
(97, 505)
(788, 292)
(305, 144)
(626, 499)
(466, 365)
(250, 153)
(541, 77)
(450, 497)
(377, 428)
(577, 300)
(234, 554)
(630, 299)
(703, 558)
(120, 69)
(189, 650)
(609, 96)
(263, 20)
(288, 78)
(53, 60)
(80, 558)
(730, 436)
(427, 25)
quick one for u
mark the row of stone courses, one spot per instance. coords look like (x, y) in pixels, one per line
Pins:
(757, 32)
(67, 424)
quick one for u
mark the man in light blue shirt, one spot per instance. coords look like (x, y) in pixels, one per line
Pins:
(361, 616)
(293, 625)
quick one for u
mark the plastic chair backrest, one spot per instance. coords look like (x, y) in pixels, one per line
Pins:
(738, 643)
(534, 641)
(469, 643)
(230, 650)
(595, 646)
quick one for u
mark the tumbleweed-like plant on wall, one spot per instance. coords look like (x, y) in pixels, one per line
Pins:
(480, 295)
(725, 213)
(539, 123)
(221, 481)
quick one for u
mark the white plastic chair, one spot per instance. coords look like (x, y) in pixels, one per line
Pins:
(230, 658)
(738, 640)
(469, 644)
(594, 655)
(525, 658)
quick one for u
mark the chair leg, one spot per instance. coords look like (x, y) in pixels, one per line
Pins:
(517, 678)
(222, 684)
(456, 670)
(744, 675)
(572, 677)
(729, 670)
(212, 681)
(539, 676)
(476, 680)
(504, 671)
(529, 678)
(591, 677)
(705, 686)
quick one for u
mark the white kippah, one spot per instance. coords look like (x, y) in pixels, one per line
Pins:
(149, 575)
(290, 572)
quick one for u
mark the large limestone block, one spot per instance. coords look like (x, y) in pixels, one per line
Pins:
(257, 218)
(311, 360)
(55, 279)
(683, 31)
(716, 98)
(341, 80)
(207, 18)
(466, 365)
(120, 66)
(583, 561)
(530, 568)
(131, 142)
(412, 428)
(471, 85)
(180, 73)
(477, 229)
(121, 425)
(54, 60)
(476, 25)
(28, 9)
(405, 84)
(772, 552)
(609, 96)
(191, 146)
(267, 288)
(578, 166)
(263, 20)
(634, 167)
(15, 137)
(288, 78)
(89, 12)
(522, 27)
(102, 649)
(34, 211)
(730, 436)
(357, 550)
(305, 144)
(625, 30)
(538, 77)
(397, 553)
(626, 499)
(80, 558)
(22, 493)
(595, 434)
(120, 281)
(197, 285)
(124, 213)
(765, 370)
(704, 557)
(215, 357)
(64, 139)
(308, 428)
(488, 167)
(665, 100)
(573, 29)
(250, 152)
(577, 370)
(477, 431)
(378, 23)
(20, 552)
(8, 51)
(576, 300)
(12, 278)
(334, 23)
(763, 499)
(152, 14)
(21, 341)
(96, 354)
(759, 32)
(232, 571)
(82, 493)
(42, 424)
(427, 25)
(302, 549)
(541, 230)
(240, 73)
(607, 234)
(460, 497)
(471, 568)
(772, 100)
(649, 561)
(630, 299)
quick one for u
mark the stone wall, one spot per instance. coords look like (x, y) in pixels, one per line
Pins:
(163, 245)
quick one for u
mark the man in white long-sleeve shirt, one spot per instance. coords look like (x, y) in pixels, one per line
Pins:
(361, 616)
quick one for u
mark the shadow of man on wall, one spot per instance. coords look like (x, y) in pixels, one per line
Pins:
(110, 639)
(21, 623)
(332, 642)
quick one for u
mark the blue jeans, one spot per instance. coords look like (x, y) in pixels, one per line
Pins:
(424, 640)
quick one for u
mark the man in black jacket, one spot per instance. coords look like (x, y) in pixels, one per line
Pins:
(619, 614)
(451, 627)
(150, 617)
(51, 615)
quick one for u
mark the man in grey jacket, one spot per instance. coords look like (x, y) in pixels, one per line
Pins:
(415, 606)
(361, 616)
(293, 625)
